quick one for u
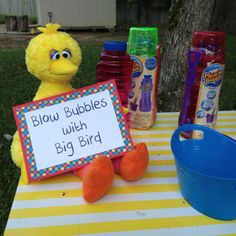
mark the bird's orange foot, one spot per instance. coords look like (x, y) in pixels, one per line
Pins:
(97, 178)
(134, 163)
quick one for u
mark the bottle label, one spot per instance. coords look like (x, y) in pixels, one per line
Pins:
(137, 67)
(208, 96)
(142, 97)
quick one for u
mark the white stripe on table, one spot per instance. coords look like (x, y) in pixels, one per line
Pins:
(228, 130)
(225, 112)
(75, 201)
(161, 168)
(163, 114)
(175, 118)
(166, 114)
(141, 132)
(78, 185)
(100, 217)
(157, 148)
(156, 125)
(174, 121)
(170, 132)
(147, 181)
(198, 230)
(165, 157)
(153, 140)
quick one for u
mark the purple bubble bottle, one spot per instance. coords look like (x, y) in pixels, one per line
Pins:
(193, 59)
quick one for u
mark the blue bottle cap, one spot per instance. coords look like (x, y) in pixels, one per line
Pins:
(115, 46)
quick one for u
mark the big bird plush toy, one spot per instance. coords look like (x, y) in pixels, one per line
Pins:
(54, 58)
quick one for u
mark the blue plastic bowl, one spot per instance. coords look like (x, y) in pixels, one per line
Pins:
(207, 171)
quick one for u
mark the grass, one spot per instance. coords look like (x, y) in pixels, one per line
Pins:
(18, 86)
(2, 19)
(228, 92)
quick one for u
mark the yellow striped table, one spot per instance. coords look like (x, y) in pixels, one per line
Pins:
(151, 206)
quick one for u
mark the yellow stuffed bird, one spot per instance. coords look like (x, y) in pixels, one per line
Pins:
(54, 58)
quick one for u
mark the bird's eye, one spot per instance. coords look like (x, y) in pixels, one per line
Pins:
(54, 55)
(66, 53)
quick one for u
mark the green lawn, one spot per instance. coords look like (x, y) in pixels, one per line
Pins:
(228, 93)
(18, 86)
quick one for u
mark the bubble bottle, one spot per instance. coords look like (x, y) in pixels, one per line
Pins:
(204, 79)
(143, 48)
(116, 64)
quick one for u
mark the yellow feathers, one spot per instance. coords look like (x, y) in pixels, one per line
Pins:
(55, 73)
(38, 53)
(49, 29)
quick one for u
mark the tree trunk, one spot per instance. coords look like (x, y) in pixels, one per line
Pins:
(185, 17)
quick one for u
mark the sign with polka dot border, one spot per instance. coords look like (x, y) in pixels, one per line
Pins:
(65, 132)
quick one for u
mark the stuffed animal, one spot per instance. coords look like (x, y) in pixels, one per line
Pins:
(54, 58)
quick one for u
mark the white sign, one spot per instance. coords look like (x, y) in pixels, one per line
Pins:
(61, 134)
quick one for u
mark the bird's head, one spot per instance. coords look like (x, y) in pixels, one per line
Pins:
(53, 55)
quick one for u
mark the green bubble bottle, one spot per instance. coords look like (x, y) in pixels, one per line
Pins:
(145, 53)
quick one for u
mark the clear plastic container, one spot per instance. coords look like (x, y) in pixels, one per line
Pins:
(116, 64)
